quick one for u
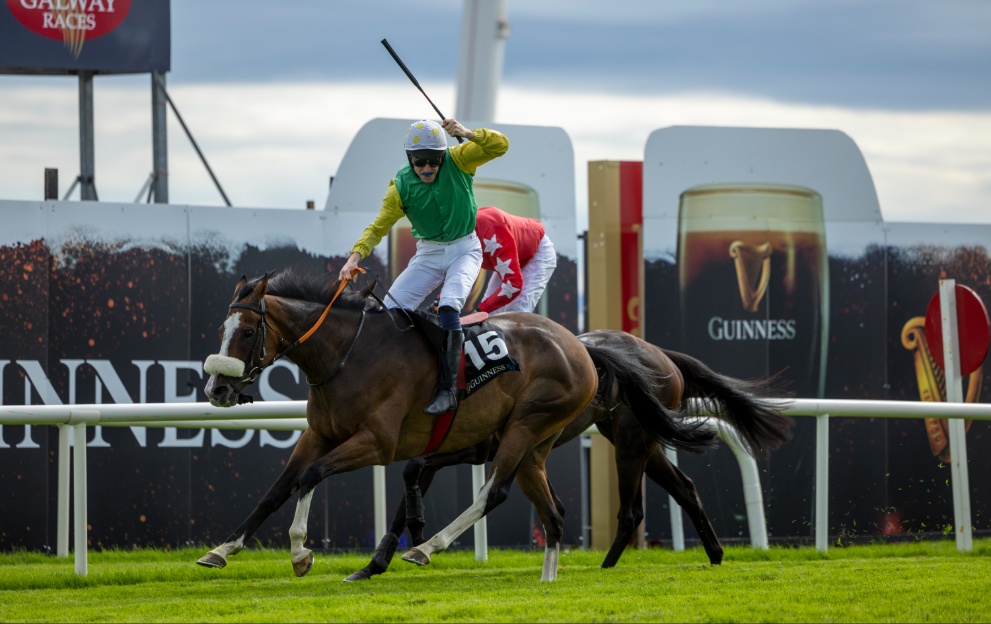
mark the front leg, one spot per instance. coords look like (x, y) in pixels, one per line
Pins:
(308, 448)
(360, 450)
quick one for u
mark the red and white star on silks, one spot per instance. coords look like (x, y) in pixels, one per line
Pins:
(508, 290)
(492, 245)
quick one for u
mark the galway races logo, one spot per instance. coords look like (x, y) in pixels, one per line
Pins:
(71, 21)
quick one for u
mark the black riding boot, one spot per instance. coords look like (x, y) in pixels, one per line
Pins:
(445, 397)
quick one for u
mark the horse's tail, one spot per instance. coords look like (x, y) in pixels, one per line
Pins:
(624, 377)
(759, 421)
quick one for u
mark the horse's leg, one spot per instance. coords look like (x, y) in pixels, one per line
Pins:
(513, 447)
(383, 554)
(306, 451)
(532, 478)
(418, 474)
(682, 489)
(632, 451)
(474, 455)
(360, 450)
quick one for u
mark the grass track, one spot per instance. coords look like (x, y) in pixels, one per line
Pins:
(916, 582)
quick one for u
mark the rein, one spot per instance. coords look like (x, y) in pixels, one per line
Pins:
(263, 327)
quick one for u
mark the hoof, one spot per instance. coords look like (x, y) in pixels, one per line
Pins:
(212, 560)
(417, 556)
(361, 575)
(303, 566)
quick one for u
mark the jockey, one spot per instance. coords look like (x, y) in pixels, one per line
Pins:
(520, 256)
(435, 191)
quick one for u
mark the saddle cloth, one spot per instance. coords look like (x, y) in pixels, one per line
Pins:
(484, 357)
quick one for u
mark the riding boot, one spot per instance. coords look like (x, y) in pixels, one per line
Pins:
(445, 397)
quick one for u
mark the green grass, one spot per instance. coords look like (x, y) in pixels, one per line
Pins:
(913, 582)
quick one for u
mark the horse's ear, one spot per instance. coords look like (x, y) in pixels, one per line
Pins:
(240, 284)
(259, 291)
(369, 288)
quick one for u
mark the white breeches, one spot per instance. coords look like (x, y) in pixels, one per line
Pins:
(455, 264)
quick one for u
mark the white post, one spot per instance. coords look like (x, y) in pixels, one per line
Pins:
(753, 495)
(677, 522)
(481, 527)
(79, 487)
(822, 482)
(62, 537)
(957, 432)
(378, 494)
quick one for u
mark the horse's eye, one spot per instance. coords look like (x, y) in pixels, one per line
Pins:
(248, 333)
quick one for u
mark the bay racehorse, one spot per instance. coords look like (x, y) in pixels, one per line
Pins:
(371, 373)
(619, 411)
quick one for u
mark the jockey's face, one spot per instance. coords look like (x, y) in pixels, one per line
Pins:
(427, 168)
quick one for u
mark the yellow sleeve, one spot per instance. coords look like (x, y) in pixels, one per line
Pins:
(391, 211)
(487, 145)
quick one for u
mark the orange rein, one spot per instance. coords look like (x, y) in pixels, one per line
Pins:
(340, 289)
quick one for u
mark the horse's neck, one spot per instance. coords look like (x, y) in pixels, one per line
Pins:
(331, 340)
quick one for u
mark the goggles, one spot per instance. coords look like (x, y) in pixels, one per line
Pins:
(423, 162)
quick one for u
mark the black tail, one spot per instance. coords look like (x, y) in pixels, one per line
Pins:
(759, 421)
(620, 364)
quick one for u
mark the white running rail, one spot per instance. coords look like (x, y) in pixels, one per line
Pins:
(290, 415)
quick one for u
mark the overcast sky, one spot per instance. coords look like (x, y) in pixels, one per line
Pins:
(274, 91)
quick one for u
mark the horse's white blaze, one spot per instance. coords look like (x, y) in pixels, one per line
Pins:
(221, 363)
(230, 326)
(297, 532)
(230, 548)
(462, 523)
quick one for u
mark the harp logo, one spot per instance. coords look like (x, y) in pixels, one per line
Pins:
(753, 271)
(70, 21)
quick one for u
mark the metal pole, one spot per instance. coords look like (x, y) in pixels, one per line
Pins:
(159, 140)
(155, 77)
(87, 149)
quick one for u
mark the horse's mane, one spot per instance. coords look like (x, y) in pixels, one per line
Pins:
(314, 288)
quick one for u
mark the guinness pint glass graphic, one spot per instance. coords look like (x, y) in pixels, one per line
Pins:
(754, 281)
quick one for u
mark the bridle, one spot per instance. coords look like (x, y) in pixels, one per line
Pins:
(261, 335)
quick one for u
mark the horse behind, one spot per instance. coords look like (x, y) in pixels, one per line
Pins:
(627, 410)
(371, 373)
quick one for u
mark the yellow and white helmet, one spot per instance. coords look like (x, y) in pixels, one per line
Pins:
(425, 135)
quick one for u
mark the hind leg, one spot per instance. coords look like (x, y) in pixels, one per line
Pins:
(631, 457)
(307, 449)
(532, 479)
(512, 449)
(682, 489)
(418, 474)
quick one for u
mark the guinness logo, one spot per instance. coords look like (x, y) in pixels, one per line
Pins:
(753, 271)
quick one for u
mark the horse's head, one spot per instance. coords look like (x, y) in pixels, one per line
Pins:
(244, 351)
